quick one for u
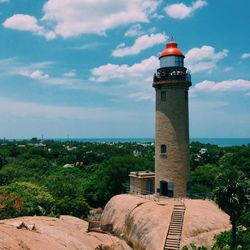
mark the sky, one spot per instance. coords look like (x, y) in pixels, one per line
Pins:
(84, 68)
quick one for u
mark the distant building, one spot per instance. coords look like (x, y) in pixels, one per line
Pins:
(68, 165)
(171, 83)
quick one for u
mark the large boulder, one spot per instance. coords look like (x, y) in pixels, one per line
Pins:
(143, 223)
(48, 233)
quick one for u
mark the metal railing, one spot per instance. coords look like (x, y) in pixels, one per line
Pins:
(172, 73)
(145, 194)
(203, 196)
(156, 197)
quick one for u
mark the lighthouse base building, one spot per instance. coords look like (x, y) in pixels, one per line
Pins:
(171, 82)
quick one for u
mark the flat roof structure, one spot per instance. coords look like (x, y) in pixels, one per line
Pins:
(142, 174)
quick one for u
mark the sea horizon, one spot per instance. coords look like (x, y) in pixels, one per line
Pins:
(222, 142)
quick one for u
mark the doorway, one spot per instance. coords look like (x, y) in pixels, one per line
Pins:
(163, 188)
(166, 188)
(149, 186)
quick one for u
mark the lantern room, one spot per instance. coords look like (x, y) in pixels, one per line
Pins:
(171, 56)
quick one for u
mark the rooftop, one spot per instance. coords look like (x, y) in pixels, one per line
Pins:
(142, 174)
(171, 50)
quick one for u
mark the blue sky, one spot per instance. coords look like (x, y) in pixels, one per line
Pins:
(83, 68)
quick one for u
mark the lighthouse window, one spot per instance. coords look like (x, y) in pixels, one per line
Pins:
(163, 149)
(163, 96)
(168, 61)
(178, 61)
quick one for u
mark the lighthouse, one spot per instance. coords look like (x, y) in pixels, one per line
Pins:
(171, 83)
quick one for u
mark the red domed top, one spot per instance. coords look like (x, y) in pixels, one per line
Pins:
(171, 50)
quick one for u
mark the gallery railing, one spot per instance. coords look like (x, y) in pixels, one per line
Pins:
(172, 73)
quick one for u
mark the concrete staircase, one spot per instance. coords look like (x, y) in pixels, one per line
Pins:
(173, 238)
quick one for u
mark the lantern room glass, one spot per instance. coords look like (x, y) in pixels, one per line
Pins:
(171, 61)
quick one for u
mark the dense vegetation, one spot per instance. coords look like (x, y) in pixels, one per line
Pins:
(53, 178)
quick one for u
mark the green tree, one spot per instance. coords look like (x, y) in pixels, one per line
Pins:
(203, 179)
(26, 199)
(2, 161)
(110, 177)
(11, 173)
(223, 241)
(232, 196)
(75, 206)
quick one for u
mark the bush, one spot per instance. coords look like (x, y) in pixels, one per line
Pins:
(24, 198)
(223, 241)
(194, 247)
(72, 206)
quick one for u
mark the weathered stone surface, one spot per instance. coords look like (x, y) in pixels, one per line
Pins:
(55, 234)
(141, 222)
(144, 223)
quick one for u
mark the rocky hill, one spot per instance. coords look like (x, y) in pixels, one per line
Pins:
(144, 223)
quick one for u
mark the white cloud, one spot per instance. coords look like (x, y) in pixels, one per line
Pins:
(203, 59)
(71, 18)
(27, 23)
(74, 17)
(22, 22)
(181, 11)
(49, 35)
(223, 86)
(227, 69)
(71, 73)
(68, 81)
(137, 71)
(36, 75)
(134, 30)
(245, 56)
(4, 1)
(35, 71)
(88, 46)
(143, 96)
(141, 43)
(13, 66)
(134, 82)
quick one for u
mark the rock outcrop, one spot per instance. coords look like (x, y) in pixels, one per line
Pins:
(144, 223)
(138, 222)
(67, 232)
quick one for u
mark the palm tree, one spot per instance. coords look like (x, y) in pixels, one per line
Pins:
(232, 196)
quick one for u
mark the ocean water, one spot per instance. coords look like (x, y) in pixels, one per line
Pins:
(222, 142)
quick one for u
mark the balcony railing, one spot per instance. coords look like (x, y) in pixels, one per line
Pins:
(172, 73)
(145, 194)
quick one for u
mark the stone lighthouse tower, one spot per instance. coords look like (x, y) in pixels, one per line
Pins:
(171, 82)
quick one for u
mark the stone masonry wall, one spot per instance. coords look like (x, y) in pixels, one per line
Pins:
(172, 129)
